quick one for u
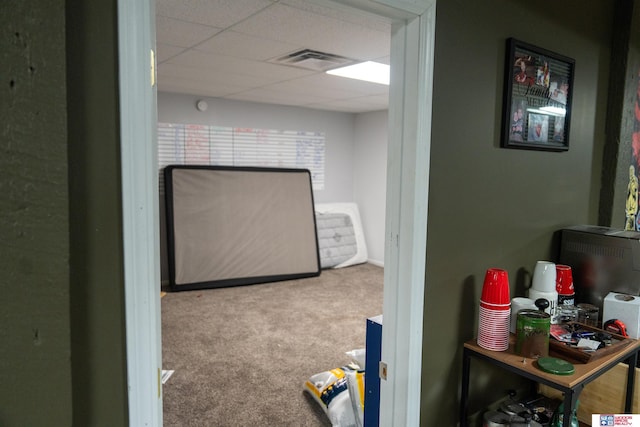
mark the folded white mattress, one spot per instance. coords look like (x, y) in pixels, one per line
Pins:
(341, 240)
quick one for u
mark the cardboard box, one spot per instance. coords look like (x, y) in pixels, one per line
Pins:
(605, 395)
(625, 308)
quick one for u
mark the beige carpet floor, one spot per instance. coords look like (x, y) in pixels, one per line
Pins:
(242, 354)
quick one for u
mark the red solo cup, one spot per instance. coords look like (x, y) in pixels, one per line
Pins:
(488, 317)
(493, 345)
(495, 289)
(564, 280)
(498, 307)
(498, 321)
(495, 339)
(492, 338)
(490, 334)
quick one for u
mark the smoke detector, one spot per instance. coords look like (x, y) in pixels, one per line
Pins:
(313, 60)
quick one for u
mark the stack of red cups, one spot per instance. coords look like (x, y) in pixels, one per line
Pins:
(495, 311)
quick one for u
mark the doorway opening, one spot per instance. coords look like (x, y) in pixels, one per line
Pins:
(411, 108)
(294, 330)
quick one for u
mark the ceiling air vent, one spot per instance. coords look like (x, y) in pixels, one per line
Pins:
(312, 60)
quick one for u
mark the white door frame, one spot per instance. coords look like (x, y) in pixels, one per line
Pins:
(413, 34)
(140, 209)
(406, 218)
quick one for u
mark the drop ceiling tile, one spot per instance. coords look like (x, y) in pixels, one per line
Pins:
(179, 85)
(330, 82)
(165, 51)
(199, 74)
(343, 13)
(216, 13)
(180, 33)
(286, 24)
(309, 86)
(233, 43)
(353, 105)
(342, 108)
(353, 42)
(229, 64)
(327, 34)
(276, 97)
(200, 61)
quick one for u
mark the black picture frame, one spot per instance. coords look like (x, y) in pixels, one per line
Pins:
(537, 99)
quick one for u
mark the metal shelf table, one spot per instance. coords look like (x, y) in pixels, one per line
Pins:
(570, 385)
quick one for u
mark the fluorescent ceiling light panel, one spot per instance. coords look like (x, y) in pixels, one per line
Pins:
(369, 71)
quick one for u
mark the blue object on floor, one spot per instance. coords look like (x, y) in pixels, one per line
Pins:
(371, 377)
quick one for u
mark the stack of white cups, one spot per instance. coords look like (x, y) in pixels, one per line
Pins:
(543, 285)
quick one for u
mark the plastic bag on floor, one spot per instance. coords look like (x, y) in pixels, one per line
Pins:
(357, 356)
(355, 384)
(330, 389)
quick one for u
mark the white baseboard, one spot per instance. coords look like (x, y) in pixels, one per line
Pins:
(376, 262)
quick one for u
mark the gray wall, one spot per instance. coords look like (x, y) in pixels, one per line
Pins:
(62, 358)
(355, 149)
(494, 207)
(98, 349)
(370, 179)
(338, 129)
(35, 366)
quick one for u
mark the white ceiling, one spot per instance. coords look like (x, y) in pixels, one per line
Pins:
(222, 48)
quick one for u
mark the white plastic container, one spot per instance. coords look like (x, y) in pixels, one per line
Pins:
(517, 304)
(625, 308)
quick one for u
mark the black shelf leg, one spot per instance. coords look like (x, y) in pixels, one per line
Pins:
(631, 376)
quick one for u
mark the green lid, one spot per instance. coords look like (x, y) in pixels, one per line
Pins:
(553, 365)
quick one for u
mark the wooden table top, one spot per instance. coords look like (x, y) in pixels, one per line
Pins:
(582, 370)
